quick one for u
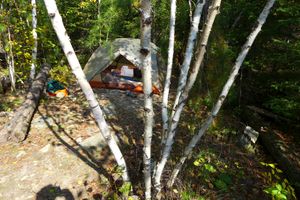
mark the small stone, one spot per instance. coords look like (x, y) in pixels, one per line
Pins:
(60, 198)
(2, 180)
(133, 197)
(3, 114)
(46, 148)
(24, 178)
(21, 153)
(79, 140)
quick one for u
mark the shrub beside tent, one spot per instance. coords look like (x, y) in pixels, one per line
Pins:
(118, 66)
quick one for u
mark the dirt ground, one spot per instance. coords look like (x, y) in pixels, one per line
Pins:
(64, 154)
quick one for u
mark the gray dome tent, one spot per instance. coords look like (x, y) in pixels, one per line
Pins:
(123, 50)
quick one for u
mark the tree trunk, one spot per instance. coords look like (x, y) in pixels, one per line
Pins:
(34, 35)
(5, 84)
(214, 9)
(182, 81)
(190, 11)
(189, 52)
(16, 129)
(245, 49)
(169, 71)
(147, 87)
(11, 62)
(64, 40)
(201, 50)
(99, 4)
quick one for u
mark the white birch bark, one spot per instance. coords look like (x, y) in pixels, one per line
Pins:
(11, 62)
(146, 20)
(189, 51)
(64, 40)
(169, 70)
(191, 11)
(201, 49)
(98, 16)
(35, 44)
(235, 70)
(99, 4)
(182, 81)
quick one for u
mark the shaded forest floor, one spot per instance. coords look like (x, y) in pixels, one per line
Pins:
(65, 156)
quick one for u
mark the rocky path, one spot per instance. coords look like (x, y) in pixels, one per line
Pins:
(64, 156)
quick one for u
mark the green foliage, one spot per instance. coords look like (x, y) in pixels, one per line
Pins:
(61, 73)
(190, 195)
(223, 182)
(286, 101)
(213, 170)
(113, 19)
(275, 50)
(222, 132)
(277, 187)
(277, 192)
(13, 18)
(8, 105)
(285, 107)
(125, 189)
(209, 168)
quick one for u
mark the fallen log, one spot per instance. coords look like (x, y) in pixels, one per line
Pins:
(268, 114)
(16, 129)
(282, 146)
(286, 154)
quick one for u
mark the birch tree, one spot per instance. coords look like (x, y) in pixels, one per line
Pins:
(35, 43)
(201, 49)
(169, 70)
(241, 57)
(182, 80)
(64, 40)
(189, 51)
(11, 61)
(146, 20)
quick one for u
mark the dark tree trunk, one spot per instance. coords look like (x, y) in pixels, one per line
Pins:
(5, 84)
(16, 129)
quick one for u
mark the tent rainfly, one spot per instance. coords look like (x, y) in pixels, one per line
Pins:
(119, 66)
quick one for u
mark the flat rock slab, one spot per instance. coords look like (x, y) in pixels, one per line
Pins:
(65, 156)
(50, 171)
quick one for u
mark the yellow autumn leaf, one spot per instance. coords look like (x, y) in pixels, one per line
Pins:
(27, 55)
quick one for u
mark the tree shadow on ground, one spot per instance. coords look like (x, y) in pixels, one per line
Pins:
(62, 136)
(124, 114)
(51, 192)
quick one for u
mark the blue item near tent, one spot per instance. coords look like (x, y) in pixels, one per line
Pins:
(53, 86)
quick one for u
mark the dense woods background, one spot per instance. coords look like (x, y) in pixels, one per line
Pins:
(276, 51)
(269, 78)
